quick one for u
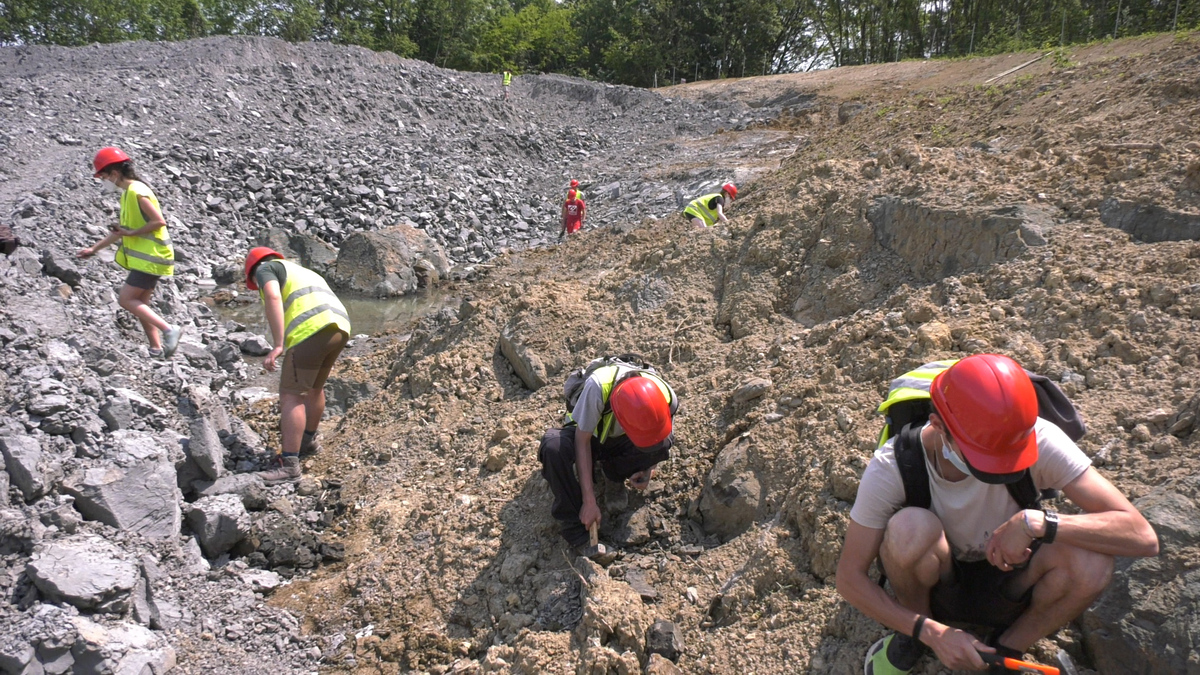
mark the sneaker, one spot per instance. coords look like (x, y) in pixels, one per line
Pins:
(893, 655)
(599, 554)
(171, 340)
(309, 445)
(156, 353)
(288, 471)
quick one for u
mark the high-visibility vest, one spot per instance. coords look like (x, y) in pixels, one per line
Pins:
(699, 209)
(507, 78)
(913, 385)
(151, 252)
(607, 378)
(308, 305)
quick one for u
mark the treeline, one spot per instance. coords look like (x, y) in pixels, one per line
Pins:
(640, 42)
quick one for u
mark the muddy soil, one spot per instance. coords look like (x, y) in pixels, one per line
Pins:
(923, 214)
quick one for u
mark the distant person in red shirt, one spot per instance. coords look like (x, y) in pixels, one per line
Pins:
(572, 214)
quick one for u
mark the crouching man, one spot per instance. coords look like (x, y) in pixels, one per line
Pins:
(974, 556)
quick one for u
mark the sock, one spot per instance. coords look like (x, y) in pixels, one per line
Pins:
(308, 435)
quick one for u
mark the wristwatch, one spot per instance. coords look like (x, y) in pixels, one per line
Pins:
(1051, 518)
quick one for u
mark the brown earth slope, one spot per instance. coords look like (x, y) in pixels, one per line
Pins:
(921, 218)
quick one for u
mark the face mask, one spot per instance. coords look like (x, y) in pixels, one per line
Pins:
(108, 186)
(954, 459)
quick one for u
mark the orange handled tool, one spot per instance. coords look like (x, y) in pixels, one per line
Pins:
(1015, 666)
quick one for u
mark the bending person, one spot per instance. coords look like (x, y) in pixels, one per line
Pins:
(707, 210)
(310, 323)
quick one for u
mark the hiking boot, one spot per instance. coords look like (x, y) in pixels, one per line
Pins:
(288, 471)
(599, 554)
(170, 338)
(893, 655)
(309, 445)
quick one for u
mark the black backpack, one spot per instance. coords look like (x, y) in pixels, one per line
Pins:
(577, 377)
(910, 415)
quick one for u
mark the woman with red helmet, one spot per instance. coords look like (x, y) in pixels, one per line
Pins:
(706, 211)
(144, 249)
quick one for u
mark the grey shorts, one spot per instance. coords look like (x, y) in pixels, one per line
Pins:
(142, 280)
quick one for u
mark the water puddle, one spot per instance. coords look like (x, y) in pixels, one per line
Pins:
(369, 316)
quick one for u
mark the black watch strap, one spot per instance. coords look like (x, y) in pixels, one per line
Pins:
(1051, 526)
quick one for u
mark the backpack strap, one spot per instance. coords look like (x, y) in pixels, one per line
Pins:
(911, 461)
(1026, 493)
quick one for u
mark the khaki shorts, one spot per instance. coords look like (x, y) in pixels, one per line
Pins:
(307, 365)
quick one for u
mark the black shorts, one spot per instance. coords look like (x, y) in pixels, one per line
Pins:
(978, 594)
(142, 280)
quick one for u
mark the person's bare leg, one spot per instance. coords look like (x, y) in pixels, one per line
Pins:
(291, 421)
(314, 408)
(1066, 580)
(915, 556)
(697, 222)
(137, 302)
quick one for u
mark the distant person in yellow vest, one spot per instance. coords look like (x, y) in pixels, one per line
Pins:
(707, 210)
(575, 187)
(507, 83)
(145, 248)
(310, 323)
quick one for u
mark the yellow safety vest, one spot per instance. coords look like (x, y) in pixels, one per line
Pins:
(607, 376)
(151, 252)
(915, 384)
(308, 305)
(699, 209)
(507, 78)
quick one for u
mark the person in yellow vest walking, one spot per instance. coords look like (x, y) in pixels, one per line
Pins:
(309, 327)
(707, 210)
(145, 249)
(507, 83)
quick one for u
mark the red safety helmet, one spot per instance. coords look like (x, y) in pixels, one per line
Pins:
(730, 189)
(574, 183)
(255, 256)
(570, 195)
(642, 411)
(106, 157)
(989, 406)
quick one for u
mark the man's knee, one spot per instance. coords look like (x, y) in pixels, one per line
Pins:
(1085, 573)
(911, 534)
(557, 446)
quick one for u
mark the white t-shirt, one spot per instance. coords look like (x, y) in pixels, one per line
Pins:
(970, 510)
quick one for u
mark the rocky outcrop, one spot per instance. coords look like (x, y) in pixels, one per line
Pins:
(938, 243)
(26, 465)
(389, 262)
(1148, 222)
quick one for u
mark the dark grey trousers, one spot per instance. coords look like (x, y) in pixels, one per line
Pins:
(618, 457)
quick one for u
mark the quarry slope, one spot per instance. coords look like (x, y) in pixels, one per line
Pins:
(886, 217)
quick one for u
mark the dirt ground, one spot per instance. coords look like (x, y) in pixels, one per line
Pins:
(453, 563)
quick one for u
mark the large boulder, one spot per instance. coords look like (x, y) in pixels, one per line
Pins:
(84, 571)
(615, 620)
(219, 522)
(389, 262)
(732, 496)
(142, 498)
(314, 253)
